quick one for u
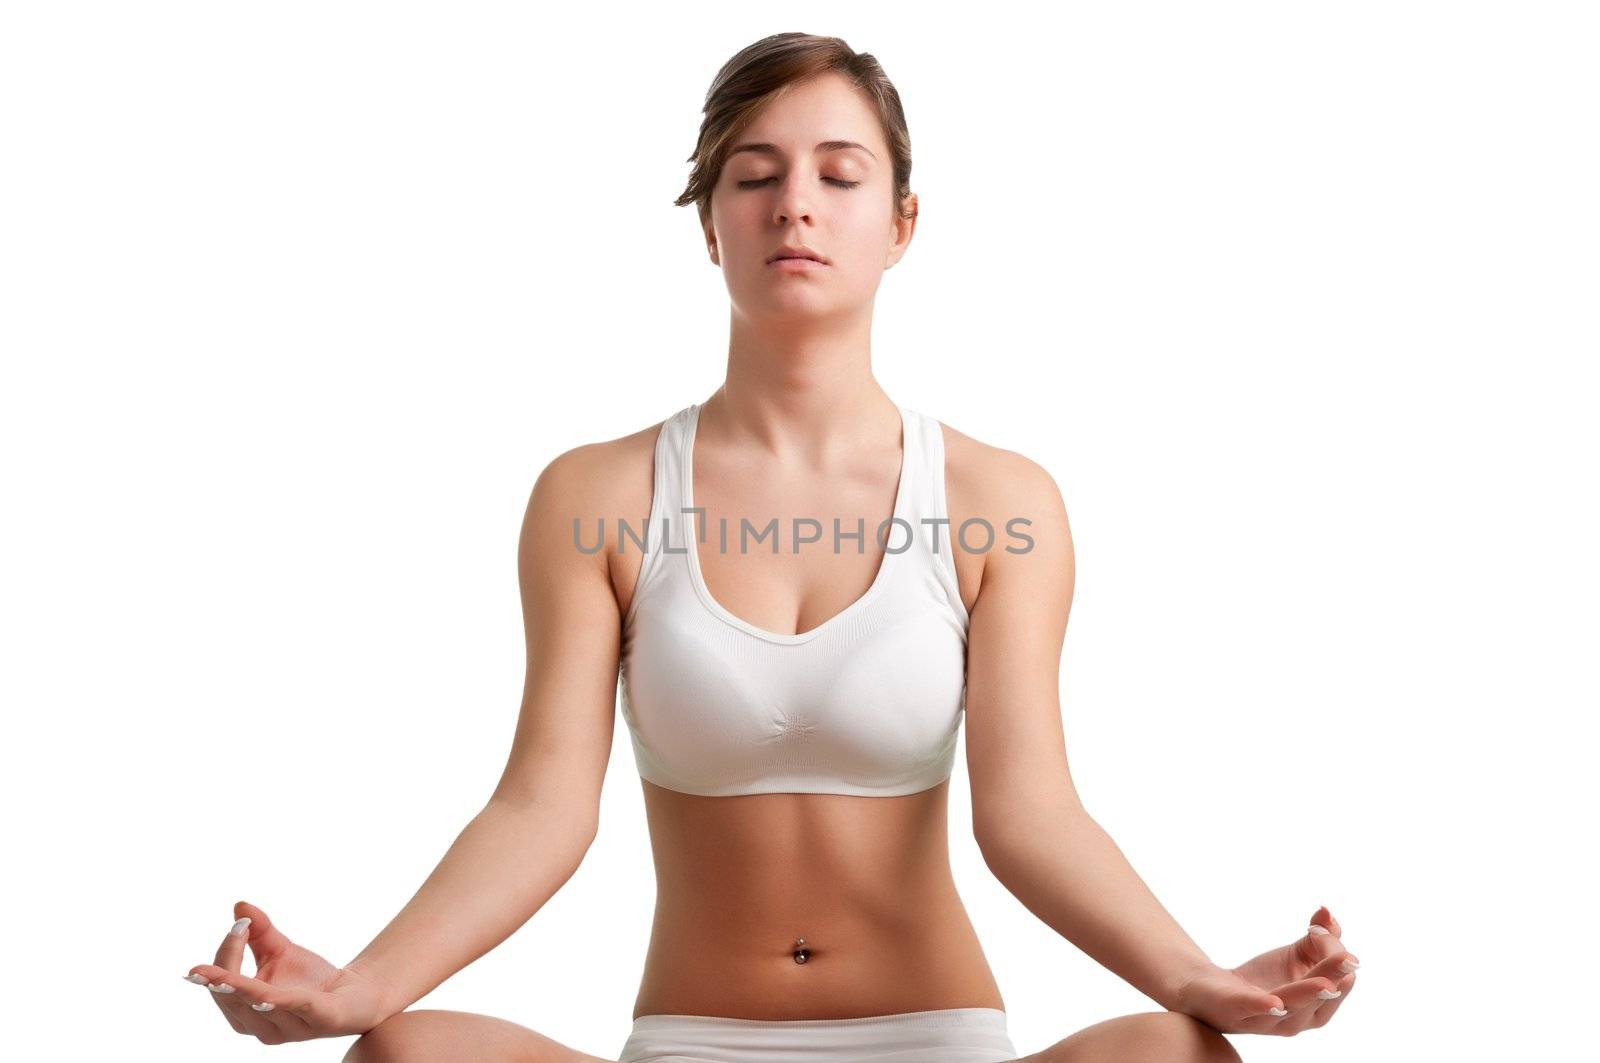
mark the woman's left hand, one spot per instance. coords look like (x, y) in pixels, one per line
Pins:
(1295, 987)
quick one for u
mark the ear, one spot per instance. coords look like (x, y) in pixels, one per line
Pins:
(904, 227)
(711, 245)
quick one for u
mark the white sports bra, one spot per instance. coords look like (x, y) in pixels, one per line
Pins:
(867, 703)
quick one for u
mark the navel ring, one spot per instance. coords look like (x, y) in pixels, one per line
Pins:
(801, 953)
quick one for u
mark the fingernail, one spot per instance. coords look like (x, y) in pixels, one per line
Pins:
(197, 979)
(1316, 928)
(1327, 994)
(262, 1007)
(221, 987)
(239, 929)
(1279, 1012)
(1348, 966)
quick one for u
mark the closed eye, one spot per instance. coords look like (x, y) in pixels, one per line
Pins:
(830, 180)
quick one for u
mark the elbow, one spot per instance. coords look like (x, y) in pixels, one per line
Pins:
(584, 822)
(565, 826)
(1001, 837)
(1006, 855)
(586, 839)
(585, 828)
(989, 851)
(994, 842)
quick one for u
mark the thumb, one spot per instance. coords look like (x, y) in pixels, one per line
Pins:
(1228, 1004)
(1239, 1002)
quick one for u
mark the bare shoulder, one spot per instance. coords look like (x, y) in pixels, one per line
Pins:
(609, 478)
(580, 496)
(992, 476)
(1013, 510)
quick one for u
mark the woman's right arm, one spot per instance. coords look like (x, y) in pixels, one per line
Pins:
(542, 816)
(530, 836)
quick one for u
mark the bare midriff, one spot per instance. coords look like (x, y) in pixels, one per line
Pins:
(864, 881)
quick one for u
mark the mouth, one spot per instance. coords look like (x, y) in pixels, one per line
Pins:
(793, 254)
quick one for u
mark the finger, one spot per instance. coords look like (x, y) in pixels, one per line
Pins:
(1249, 1009)
(265, 939)
(230, 957)
(1322, 919)
(1260, 1023)
(230, 1013)
(1321, 1011)
(1333, 924)
(1303, 998)
(1335, 966)
(242, 991)
(214, 978)
(1325, 1010)
(1319, 942)
(230, 954)
(1241, 1001)
(259, 1019)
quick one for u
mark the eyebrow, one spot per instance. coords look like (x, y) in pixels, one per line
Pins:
(826, 145)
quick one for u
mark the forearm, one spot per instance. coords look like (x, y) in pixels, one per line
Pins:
(501, 869)
(1069, 872)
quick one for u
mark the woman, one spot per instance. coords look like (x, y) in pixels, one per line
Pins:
(793, 712)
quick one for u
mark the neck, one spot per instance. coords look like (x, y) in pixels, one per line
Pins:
(797, 389)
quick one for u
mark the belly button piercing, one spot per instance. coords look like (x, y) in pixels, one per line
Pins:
(801, 953)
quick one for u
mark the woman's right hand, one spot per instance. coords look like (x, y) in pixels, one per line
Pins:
(295, 995)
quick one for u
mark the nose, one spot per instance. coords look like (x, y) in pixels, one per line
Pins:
(794, 199)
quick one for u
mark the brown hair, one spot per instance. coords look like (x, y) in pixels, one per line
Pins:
(761, 72)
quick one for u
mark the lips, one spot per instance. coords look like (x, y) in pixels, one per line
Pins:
(795, 251)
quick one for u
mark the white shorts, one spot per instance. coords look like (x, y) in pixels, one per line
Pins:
(952, 1035)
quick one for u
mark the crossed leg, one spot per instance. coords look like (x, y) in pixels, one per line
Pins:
(1146, 1037)
(426, 1036)
(430, 1035)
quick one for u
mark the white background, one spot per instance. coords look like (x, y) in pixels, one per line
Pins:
(1296, 302)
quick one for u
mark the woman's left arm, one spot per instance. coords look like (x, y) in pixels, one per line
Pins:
(1033, 831)
(1030, 825)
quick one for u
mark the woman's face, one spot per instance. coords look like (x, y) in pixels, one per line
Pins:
(793, 179)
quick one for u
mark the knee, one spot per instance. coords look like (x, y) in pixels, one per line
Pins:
(1200, 1043)
(1173, 1037)
(404, 1037)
